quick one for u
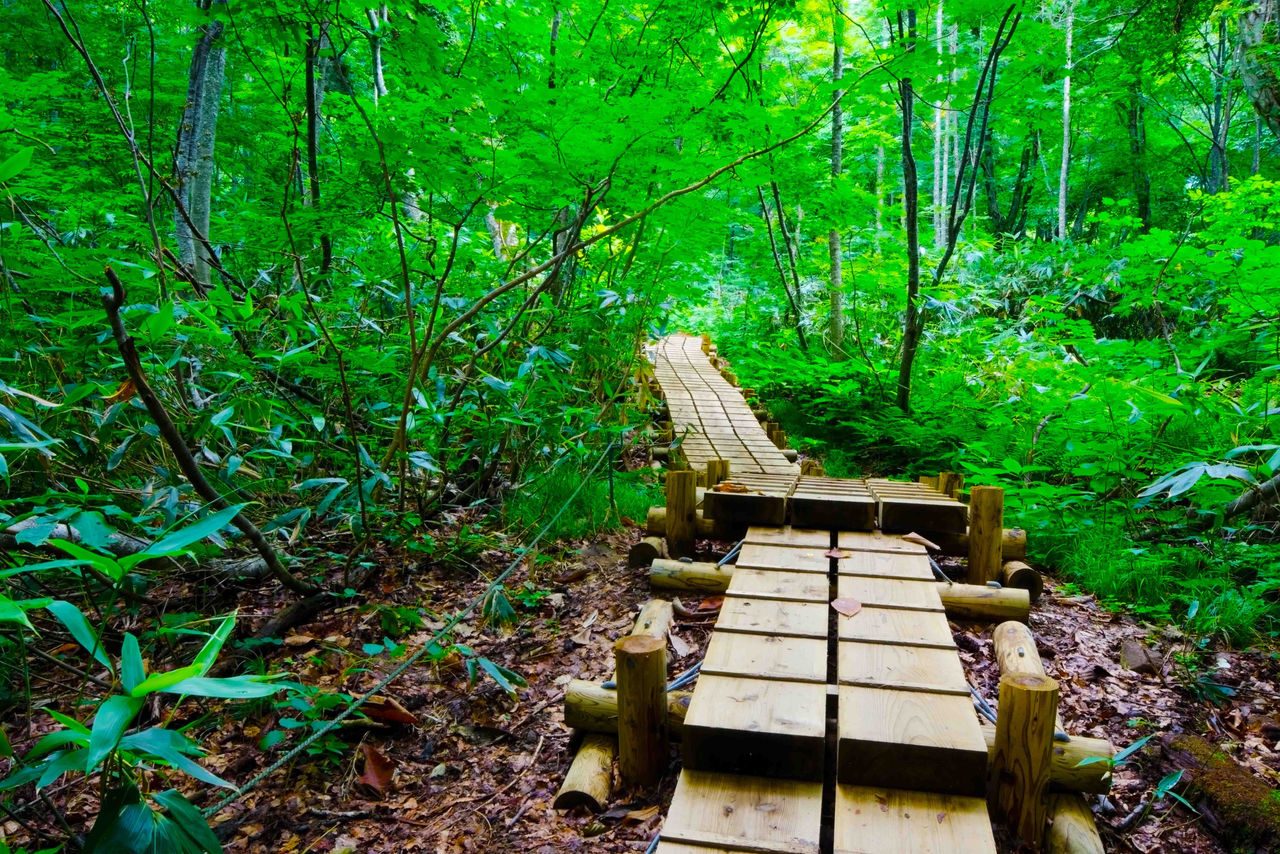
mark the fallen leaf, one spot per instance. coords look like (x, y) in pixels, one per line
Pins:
(837, 554)
(379, 770)
(298, 640)
(913, 537)
(730, 486)
(642, 814)
(679, 645)
(387, 709)
(711, 603)
(846, 607)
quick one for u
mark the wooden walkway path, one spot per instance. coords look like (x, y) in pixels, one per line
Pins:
(812, 731)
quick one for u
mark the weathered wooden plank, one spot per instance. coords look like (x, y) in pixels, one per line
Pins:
(832, 510)
(887, 565)
(879, 820)
(751, 583)
(767, 657)
(907, 628)
(877, 541)
(758, 556)
(922, 514)
(891, 593)
(909, 740)
(757, 726)
(761, 616)
(741, 813)
(789, 536)
(745, 508)
(905, 668)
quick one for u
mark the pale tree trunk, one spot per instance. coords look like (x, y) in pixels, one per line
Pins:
(194, 161)
(835, 324)
(941, 122)
(1259, 61)
(317, 67)
(879, 195)
(378, 19)
(1064, 171)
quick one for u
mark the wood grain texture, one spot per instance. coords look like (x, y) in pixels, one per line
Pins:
(767, 657)
(789, 536)
(792, 559)
(980, 602)
(763, 616)
(914, 567)
(590, 778)
(1071, 827)
(909, 628)
(1018, 783)
(986, 534)
(910, 740)
(740, 813)
(681, 496)
(756, 726)
(902, 667)
(775, 584)
(641, 665)
(877, 541)
(891, 593)
(881, 821)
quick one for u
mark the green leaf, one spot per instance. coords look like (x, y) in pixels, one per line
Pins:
(109, 567)
(163, 681)
(132, 670)
(173, 748)
(109, 724)
(231, 688)
(176, 542)
(189, 821)
(12, 612)
(69, 615)
(208, 654)
(16, 163)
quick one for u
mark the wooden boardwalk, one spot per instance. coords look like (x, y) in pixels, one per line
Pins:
(811, 730)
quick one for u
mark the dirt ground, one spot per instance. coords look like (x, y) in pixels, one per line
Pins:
(471, 768)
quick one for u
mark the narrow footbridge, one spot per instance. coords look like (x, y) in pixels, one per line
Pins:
(831, 713)
(810, 730)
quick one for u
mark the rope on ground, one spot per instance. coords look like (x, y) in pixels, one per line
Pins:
(412, 659)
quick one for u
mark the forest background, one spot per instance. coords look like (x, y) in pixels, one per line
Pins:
(299, 281)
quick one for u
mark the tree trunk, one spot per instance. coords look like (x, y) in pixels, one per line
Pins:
(1258, 62)
(940, 124)
(317, 66)
(835, 323)
(377, 21)
(1137, 130)
(911, 208)
(1221, 113)
(194, 161)
(1064, 170)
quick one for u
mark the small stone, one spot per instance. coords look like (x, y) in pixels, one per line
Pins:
(1135, 656)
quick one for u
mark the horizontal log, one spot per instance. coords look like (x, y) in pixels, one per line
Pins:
(656, 526)
(590, 779)
(589, 707)
(1015, 573)
(646, 552)
(979, 602)
(592, 708)
(1013, 543)
(1071, 827)
(698, 576)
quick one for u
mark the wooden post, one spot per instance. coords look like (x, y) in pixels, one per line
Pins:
(1018, 780)
(717, 470)
(641, 663)
(780, 438)
(930, 481)
(682, 500)
(590, 778)
(956, 486)
(986, 533)
(943, 482)
(706, 343)
(1015, 573)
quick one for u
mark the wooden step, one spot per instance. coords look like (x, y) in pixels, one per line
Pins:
(900, 565)
(904, 668)
(768, 657)
(899, 594)
(909, 740)
(757, 726)
(903, 514)
(879, 820)
(787, 558)
(733, 813)
(903, 628)
(751, 583)
(876, 541)
(789, 536)
(764, 616)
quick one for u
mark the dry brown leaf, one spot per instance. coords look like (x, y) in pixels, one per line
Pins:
(913, 537)
(679, 645)
(379, 770)
(846, 607)
(837, 554)
(126, 391)
(389, 710)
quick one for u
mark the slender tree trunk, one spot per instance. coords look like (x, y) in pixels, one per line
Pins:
(317, 65)
(835, 323)
(940, 122)
(1064, 170)
(1221, 114)
(378, 19)
(879, 196)
(1137, 129)
(194, 161)
(911, 326)
(1258, 62)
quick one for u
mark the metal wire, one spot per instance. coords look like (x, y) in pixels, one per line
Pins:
(396, 672)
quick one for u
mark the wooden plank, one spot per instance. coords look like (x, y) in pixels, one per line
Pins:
(909, 740)
(768, 657)
(914, 514)
(832, 510)
(784, 586)
(759, 556)
(905, 628)
(878, 820)
(737, 508)
(877, 541)
(891, 593)
(887, 565)
(763, 616)
(789, 536)
(905, 668)
(740, 813)
(757, 726)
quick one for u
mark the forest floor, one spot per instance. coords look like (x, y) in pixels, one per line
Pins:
(477, 769)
